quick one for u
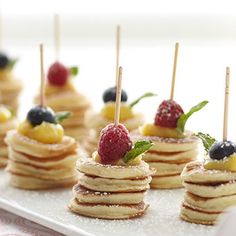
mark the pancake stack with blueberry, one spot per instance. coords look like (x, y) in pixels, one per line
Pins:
(40, 155)
(96, 121)
(173, 146)
(10, 87)
(61, 95)
(7, 122)
(211, 184)
(112, 184)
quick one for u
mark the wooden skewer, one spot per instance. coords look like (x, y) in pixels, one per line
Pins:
(225, 124)
(56, 27)
(118, 97)
(42, 87)
(174, 71)
(117, 51)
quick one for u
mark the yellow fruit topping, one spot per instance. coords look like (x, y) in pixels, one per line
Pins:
(5, 74)
(51, 89)
(228, 164)
(108, 111)
(5, 114)
(134, 162)
(164, 132)
(45, 132)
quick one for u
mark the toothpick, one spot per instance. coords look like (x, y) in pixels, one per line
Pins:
(56, 27)
(174, 71)
(42, 87)
(117, 51)
(1, 30)
(118, 97)
(225, 124)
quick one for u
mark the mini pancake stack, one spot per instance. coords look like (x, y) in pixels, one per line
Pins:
(112, 183)
(168, 156)
(10, 87)
(36, 165)
(173, 147)
(208, 193)
(7, 122)
(110, 191)
(61, 95)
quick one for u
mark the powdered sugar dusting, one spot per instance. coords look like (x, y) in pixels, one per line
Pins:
(162, 217)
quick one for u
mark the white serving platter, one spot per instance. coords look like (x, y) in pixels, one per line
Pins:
(49, 208)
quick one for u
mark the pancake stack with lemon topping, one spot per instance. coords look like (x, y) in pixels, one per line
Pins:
(40, 156)
(10, 87)
(96, 121)
(210, 185)
(113, 183)
(62, 95)
(173, 147)
(7, 122)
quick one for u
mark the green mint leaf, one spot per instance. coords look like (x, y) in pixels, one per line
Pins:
(140, 98)
(12, 63)
(207, 140)
(184, 117)
(139, 148)
(60, 116)
(74, 70)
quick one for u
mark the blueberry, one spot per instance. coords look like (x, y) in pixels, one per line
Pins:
(39, 114)
(4, 60)
(222, 149)
(110, 95)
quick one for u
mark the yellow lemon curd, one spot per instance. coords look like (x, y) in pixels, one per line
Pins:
(5, 114)
(228, 164)
(108, 111)
(164, 132)
(47, 133)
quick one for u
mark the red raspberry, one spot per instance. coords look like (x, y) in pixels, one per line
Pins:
(58, 74)
(168, 113)
(114, 143)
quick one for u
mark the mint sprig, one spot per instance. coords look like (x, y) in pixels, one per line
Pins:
(207, 140)
(12, 63)
(74, 70)
(60, 116)
(140, 98)
(184, 117)
(139, 148)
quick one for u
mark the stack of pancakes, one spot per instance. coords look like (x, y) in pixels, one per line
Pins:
(110, 192)
(35, 165)
(168, 156)
(10, 89)
(208, 193)
(4, 128)
(96, 122)
(76, 103)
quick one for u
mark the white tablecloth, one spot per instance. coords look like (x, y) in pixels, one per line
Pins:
(12, 225)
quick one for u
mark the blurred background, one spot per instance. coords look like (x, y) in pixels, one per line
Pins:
(206, 31)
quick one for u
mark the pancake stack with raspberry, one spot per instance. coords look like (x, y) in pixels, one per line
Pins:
(7, 122)
(10, 87)
(173, 147)
(113, 183)
(62, 95)
(211, 184)
(96, 121)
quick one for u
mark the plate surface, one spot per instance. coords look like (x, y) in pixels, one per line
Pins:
(49, 208)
